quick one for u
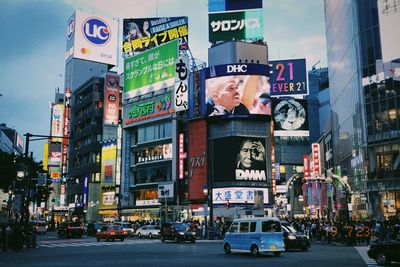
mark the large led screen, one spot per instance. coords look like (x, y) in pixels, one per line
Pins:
(237, 90)
(239, 159)
(151, 70)
(145, 33)
(288, 77)
(290, 117)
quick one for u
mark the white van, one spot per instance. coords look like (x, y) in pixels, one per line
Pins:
(255, 235)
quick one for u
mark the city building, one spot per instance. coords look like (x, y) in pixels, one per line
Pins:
(364, 97)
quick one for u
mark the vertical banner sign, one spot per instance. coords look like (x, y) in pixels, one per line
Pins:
(127, 163)
(85, 190)
(277, 173)
(46, 157)
(66, 130)
(62, 195)
(182, 155)
(316, 159)
(111, 100)
(306, 165)
(57, 122)
(107, 182)
(181, 83)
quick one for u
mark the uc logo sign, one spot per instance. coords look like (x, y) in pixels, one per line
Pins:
(70, 28)
(96, 31)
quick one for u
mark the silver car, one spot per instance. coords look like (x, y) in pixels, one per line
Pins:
(149, 231)
(126, 226)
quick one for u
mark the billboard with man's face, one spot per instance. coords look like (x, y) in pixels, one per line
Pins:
(236, 90)
(239, 159)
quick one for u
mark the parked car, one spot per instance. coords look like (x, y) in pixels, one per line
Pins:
(294, 239)
(177, 232)
(70, 229)
(384, 252)
(126, 226)
(149, 231)
(111, 232)
(39, 226)
(93, 228)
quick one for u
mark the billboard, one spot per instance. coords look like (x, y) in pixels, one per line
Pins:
(389, 15)
(142, 110)
(92, 38)
(238, 25)
(151, 70)
(237, 90)
(111, 99)
(145, 33)
(239, 159)
(107, 175)
(181, 92)
(57, 122)
(224, 5)
(240, 195)
(290, 117)
(288, 77)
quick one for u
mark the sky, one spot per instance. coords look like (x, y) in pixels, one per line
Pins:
(33, 40)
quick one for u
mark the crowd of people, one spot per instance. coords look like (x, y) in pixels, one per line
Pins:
(15, 236)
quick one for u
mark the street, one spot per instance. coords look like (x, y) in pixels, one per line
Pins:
(86, 251)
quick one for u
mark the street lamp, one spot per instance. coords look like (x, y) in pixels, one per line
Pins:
(205, 207)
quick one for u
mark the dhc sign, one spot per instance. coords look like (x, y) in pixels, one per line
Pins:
(236, 68)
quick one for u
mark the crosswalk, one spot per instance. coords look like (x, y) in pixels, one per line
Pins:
(363, 253)
(94, 243)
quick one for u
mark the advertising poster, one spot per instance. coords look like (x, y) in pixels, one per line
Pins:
(57, 122)
(107, 182)
(92, 38)
(111, 100)
(145, 33)
(239, 159)
(288, 77)
(240, 195)
(389, 15)
(151, 70)
(237, 25)
(290, 117)
(237, 90)
(181, 92)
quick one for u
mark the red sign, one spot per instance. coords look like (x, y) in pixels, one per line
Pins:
(316, 159)
(111, 100)
(306, 167)
(182, 156)
(66, 129)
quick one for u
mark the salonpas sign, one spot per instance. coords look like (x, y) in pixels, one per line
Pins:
(241, 25)
(151, 70)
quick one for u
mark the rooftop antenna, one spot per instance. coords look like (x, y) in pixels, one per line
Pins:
(313, 66)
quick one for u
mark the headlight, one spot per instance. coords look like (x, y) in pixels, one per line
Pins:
(181, 233)
(291, 237)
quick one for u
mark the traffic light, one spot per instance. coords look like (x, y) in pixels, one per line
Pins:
(227, 204)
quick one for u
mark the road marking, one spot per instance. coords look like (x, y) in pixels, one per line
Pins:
(363, 253)
(91, 243)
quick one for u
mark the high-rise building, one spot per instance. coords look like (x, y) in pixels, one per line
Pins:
(364, 98)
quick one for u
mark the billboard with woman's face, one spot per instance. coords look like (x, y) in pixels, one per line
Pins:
(236, 90)
(239, 159)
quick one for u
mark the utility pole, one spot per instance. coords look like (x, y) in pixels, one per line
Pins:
(28, 198)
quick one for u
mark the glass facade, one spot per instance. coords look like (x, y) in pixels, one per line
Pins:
(365, 108)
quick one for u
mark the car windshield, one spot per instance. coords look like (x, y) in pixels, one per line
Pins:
(115, 227)
(180, 227)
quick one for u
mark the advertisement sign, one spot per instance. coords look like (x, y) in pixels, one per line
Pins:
(290, 117)
(151, 70)
(239, 25)
(45, 156)
(92, 38)
(127, 166)
(107, 175)
(224, 5)
(239, 159)
(154, 153)
(182, 155)
(389, 15)
(315, 150)
(66, 129)
(57, 117)
(145, 33)
(239, 195)
(20, 142)
(288, 77)
(165, 190)
(111, 99)
(181, 92)
(143, 110)
(237, 90)
(306, 164)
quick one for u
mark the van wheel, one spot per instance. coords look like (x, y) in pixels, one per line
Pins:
(277, 254)
(227, 249)
(254, 250)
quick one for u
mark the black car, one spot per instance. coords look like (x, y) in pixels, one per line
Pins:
(176, 232)
(93, 228)
(384, 252)
(70, 229)
(294, 239)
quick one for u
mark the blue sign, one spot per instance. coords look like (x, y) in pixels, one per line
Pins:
(224, 5)
(96, 31)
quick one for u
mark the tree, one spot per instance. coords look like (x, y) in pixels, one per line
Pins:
(7, 169)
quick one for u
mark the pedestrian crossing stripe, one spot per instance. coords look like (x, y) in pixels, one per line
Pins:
(364, 255)
(89, 244)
